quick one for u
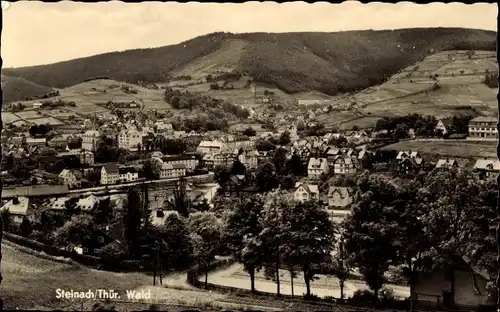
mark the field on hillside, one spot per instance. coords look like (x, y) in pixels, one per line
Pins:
(90, 98)
(459, 93)
(451, 148)
(16, 89)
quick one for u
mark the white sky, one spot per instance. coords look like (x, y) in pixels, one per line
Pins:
(40, 33)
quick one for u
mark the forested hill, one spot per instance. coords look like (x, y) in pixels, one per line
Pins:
(327, 62)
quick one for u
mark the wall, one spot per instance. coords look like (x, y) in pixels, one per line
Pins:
(465, 293)
(429, 289)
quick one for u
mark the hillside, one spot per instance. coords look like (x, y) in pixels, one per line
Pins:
(460, 90)
(16, 89)
(294, 62)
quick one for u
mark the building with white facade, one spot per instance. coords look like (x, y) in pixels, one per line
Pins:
(316, 167)
(90, 139)
(129, 139)
(483, 128)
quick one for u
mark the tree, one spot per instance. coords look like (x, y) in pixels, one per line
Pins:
(25, 227)
(103, 212)
(264, 145)
(370, 229)
(284, 138)
(341, 266)
(272, 234)
(242, 235)
(266, 178)
(178, 251)
(222, 175)
(249, 132)
(309, 236)
(133, 219)
(206, 230)
(238, 168)
(77, 231)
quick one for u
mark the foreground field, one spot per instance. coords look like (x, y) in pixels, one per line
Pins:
(441, 148)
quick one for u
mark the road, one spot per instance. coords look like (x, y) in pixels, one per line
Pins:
(125, 185)
(234, 276)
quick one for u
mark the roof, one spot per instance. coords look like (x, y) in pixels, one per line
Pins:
(343, 191)
(178, 157)
(110, 168)
(59, 203)
(446, 121)
(485, 119)
(443, 163)
(65, 173)
(21, 208)
(310, 188)
(92, 133)
(35, 190)
(345, 159)
(126, 170)
(487, 164)
(36, 140)
(214, 143)
(167, 166)
(316, 163)
(87, 203)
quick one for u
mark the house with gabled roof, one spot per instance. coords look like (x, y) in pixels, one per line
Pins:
(446, 163)
(70, 177)
(343, 165)
(487, 167)
(18, 207)
(169, 170)
(316, 168)
(444, 126)
(128, 174)
(340, 197)
(410, 154)
(305, 192)
(110, 174)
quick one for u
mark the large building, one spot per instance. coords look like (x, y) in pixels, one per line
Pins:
(483, 127)
(90, 139)
(129, 139)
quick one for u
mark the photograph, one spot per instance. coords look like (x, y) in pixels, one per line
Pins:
(256, 156)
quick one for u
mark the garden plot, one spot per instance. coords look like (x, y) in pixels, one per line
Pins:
(46, 120)
(28, 114)
(9, 117)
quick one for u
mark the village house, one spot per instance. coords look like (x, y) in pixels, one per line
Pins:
(250, 159)
(109, 174)
(36, 142)
(190, 162)
(331, 154)
(316, 168)
(487, 167)
(70, 178)
(234, 186)
(169, 170)
(211, 147)
(18, 140)
(163, 127)
(224, 159)
(208, 161)
(446, 163)
(458, 287)
(305, 192)
(128, 174)
(58, 204)
(129, 139)
(483, 127)
(443, 126)
(58, 142)
(343, 165)
(90, 139)
(339, 197)
(18, 208)
(410, 154)
(408, 165)
(88, 203)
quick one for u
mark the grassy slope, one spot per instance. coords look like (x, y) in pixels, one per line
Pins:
(293, 61)
(401, 94)
(16, 89)
(455, 149)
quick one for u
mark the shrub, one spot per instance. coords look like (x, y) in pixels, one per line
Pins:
(361, 298)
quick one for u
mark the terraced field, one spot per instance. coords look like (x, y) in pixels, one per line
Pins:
(411, 91)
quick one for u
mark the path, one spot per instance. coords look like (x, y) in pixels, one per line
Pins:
(234, 276)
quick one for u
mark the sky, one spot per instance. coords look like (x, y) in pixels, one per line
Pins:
(36, 33)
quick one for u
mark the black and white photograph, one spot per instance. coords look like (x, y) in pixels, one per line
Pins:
(257, 156)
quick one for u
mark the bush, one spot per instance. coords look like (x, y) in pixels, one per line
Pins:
(361, 298)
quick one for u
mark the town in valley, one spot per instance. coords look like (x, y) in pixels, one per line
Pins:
(275, 186)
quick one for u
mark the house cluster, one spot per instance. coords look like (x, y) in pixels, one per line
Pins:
(224, 151)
